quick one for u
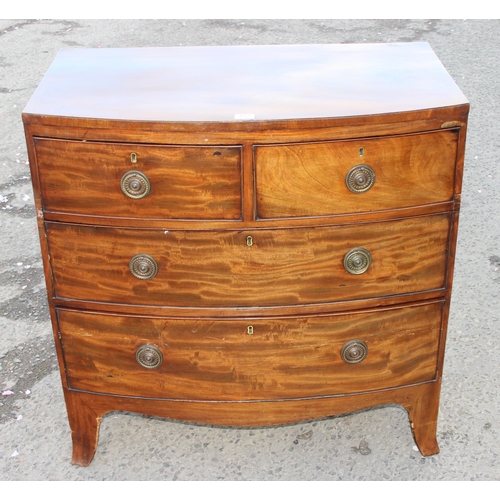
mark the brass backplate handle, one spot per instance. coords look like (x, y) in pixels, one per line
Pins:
(143, 266)
(360, 178)
(135, 184)
(149, 356)
(354, 351)
(357, 260)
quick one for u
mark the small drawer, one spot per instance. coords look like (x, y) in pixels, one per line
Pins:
(138, 181)
(226, 360)
(272, 267)
(364, 175)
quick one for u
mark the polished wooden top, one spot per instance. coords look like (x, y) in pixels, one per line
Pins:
(244, 83)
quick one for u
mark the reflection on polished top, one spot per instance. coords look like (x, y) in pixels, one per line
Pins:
(243, 83)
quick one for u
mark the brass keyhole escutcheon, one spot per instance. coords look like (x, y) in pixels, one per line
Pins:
(357, 260)
(149, 356)
(143, 267)
(354, 351)
(360, 178)
(250, 330)
(135, 185)
(133, 157)
(249, 241)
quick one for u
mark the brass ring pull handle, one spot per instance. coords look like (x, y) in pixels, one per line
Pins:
(143, 266)
(360, 178)
(354, 351)
(149, 356)
(135, 185)
(357, 260)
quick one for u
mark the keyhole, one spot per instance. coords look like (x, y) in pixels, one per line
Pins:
(250, 330)
(249, 241)
(361, 152)
(133, 157)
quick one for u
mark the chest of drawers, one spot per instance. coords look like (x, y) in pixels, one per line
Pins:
(248, 236)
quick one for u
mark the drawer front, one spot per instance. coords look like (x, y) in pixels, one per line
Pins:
(184, 182)
(276, 267)
(297, 180)
(220, 360)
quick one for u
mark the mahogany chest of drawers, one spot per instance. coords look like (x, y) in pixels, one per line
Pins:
(248, 235)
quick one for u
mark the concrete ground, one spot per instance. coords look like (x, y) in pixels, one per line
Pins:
(370, 445)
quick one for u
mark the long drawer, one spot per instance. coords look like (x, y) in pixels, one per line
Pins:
(225, 360)
(249, 268)
(138, 181)
(294, 180)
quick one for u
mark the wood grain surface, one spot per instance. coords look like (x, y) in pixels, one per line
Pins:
(219, 360)
(218, 268)
(258, 82)
(296, 180)
(186, 182)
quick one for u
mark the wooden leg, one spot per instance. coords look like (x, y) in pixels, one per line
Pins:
(423, 413)
(84, 423)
